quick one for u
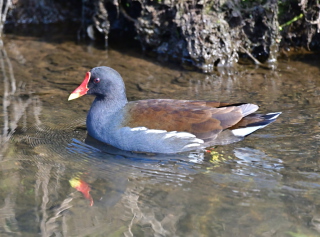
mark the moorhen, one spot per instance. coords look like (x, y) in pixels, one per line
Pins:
(162, 125)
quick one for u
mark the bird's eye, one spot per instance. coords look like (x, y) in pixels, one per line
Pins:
(96, 80)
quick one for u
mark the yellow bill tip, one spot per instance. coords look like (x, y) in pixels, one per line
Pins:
(74, 96)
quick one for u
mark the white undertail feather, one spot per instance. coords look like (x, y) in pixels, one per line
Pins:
(276, 115)
(242, 132)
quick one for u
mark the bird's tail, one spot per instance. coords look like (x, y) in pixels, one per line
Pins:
(252, 123)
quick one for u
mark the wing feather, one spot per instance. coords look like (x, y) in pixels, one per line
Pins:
(204, 119)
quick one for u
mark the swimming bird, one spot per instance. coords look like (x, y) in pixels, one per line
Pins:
(162, 125)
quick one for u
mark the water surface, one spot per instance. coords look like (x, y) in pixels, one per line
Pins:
(266, 185)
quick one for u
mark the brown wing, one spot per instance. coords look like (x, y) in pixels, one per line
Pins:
(204, 119)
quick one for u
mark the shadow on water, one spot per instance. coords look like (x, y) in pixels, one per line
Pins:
(54, 181)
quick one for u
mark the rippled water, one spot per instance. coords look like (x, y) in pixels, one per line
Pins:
(266, 185)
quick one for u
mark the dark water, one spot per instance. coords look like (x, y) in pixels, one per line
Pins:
(266, 185)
